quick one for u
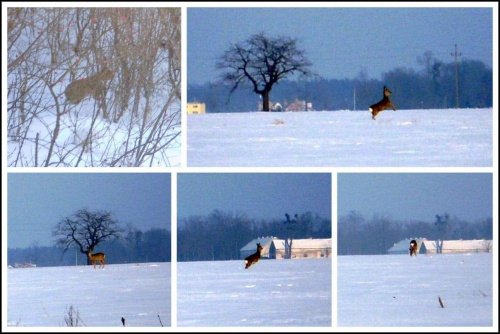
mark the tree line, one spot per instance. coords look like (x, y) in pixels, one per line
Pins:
(220, 235)
(359, 235)
(136, 246)
(431, 87)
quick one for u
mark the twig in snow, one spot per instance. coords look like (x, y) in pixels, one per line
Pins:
(441, 302)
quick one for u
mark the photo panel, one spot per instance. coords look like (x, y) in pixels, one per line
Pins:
(93, 86)
(415, 250)
(89, 249)
(326, 87)
(254, 249)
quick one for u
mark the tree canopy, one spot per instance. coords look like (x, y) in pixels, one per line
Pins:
(263, 61)
(86, 229)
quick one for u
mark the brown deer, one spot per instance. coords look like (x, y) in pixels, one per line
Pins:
(93, 85)
(385, 103)
(413, 248)
(97, 257)
(254, 258)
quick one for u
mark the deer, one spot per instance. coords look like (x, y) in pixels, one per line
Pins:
(254, 258)
(97, 257)
(94, 85)
(383, 104)
(413, 248)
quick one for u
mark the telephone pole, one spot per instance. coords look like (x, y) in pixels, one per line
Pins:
(354, 99)
(456, 54)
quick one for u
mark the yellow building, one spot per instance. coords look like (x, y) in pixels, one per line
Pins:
(195, 108)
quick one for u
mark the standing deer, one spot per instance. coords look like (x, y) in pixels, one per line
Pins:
(97, 257)
(254, 258)
(413, 248)
(383, 104)
(94, 85)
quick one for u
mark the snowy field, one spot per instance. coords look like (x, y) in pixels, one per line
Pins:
(271, 293)
(397, 290)
(41, 297)
(403, 138)
(109, 146)
(372, 291)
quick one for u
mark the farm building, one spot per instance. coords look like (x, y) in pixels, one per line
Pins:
(458, 246)
(251, 247)
(299, 106)
(272, 106)
(274, 248)
(195, 108)
(302, 248)
(448, 246)
(403, 247)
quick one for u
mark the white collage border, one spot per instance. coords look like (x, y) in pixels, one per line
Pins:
(334, 171)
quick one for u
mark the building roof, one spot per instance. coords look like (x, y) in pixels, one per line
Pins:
(296, 244)
(251, 246)
(460, 245)
(305, 243)
(404, 245)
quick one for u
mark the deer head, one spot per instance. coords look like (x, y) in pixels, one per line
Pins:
(259, 248)
(387, 92)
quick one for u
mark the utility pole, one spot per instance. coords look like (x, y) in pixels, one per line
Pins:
(456, 54)
(354, 98)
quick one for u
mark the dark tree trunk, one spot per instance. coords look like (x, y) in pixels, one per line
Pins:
(288, 248)
(265, 100)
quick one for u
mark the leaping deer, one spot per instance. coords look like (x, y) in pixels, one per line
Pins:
(97, 257)
(383, 104)
(254, 258)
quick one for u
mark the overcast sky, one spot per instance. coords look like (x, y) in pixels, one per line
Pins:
(417, 196)
(265, 196)
(342, 42)
(37, 202)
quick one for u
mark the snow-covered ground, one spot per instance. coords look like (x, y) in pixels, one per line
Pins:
(273, 293)
(372, 291)
(404, 291)
(403, 138)
(42, 297)
(110, 143)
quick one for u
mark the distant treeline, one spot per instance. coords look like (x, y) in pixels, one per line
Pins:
(358, 235)
(153, 245)
(220, 235)
(431, 88)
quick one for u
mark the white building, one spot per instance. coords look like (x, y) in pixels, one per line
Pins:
(274, 248)
(448, 246)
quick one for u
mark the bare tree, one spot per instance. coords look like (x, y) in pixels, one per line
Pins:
(263, 61)
(72, 318)
(292, 226)
(85, 230)
(443, 227)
